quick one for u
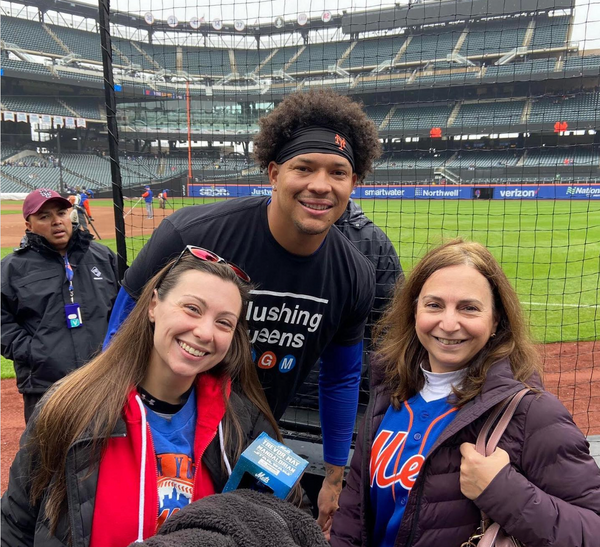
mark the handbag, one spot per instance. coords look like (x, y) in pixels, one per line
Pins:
(490, 534)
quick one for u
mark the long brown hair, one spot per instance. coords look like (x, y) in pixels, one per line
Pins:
(401, 353)
(90, 400)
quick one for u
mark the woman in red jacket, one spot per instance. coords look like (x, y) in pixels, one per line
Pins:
(453, 345)
(156, 421)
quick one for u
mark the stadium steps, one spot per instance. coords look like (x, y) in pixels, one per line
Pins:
(17, 180)
(75, 113)
(293, 59)
(402, 49)
(121, 54)
(267, 60)
(560, 63)
(346, 53)
(146, 56)
(460, 41)
(83, 177)
(56, 38)
(453, 114)
(526, 111)
(529, 34)
(522, 159)
(232, 61)
(388, 117)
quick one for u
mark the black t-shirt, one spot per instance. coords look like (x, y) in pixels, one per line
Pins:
(300, 303)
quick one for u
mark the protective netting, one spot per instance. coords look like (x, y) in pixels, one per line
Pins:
(488, 116)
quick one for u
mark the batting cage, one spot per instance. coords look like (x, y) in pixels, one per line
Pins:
(488, 116)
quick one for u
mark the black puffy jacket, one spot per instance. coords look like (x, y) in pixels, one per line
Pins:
(34, 294)
(374, 244)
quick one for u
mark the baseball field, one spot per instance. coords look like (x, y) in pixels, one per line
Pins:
(550, 250)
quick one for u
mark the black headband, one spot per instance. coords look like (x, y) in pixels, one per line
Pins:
(317, 139)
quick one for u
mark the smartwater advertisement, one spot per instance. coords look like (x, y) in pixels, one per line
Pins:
(546, 191)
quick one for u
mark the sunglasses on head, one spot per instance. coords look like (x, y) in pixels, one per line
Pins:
(209, 256)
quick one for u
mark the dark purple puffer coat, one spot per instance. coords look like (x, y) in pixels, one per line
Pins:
(549, 495)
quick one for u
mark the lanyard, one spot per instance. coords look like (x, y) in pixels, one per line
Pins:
(69, 275)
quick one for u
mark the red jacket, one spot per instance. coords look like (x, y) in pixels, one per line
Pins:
(126, 506)
(548, 497)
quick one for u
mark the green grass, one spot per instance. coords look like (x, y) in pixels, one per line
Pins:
(550, 250)
(10, 212)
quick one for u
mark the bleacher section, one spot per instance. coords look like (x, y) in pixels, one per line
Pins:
(581, 107)
(494, 37)
(562, 157)
(425, 47)
(424, 117)
(318, 57)
(85, 44)
(248, 61)
(30, 36)
(371, 53)
(394, 74)
(67, 106)
(484, 114)
(477, 159)
(210, 62)
(25, 66)
(550, 33)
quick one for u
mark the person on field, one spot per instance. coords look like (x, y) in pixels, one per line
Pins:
(147, 195)
(155, 422)
(58, 289)
(372, 242)
(451, 347)
(314, 289)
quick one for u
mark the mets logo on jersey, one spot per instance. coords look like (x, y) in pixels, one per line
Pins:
(386, 455)
(175, 484)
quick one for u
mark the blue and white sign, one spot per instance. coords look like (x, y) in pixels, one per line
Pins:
(499, 192)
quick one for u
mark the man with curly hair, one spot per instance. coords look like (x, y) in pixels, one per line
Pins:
(313, 290)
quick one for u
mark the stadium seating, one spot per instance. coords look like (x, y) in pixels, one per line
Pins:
(477, 159)
(30, 36)
(425, 47)
(7, 152)
(494, 37)
(581, 107)
(25, 66)
(550, 32)
(279, 60)
(247, 61)
(371, 53)
(423, 117)
(409, 160)
(523, 70)
(318, 57)
(213, 63)
(562, 157)
(377, 113)
(580, 62)
(85, 44)
(484, 114)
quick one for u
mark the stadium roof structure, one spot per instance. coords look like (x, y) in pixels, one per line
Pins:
(351, 23)
(205, 27)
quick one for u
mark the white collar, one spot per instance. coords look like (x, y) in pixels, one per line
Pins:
(438, 385)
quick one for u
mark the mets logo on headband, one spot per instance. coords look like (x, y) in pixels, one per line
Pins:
(340, 141)
(45, 193)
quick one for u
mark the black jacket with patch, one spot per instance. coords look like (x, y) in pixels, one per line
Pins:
(35, 291)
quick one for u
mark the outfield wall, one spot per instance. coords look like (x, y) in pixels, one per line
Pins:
(502, 192)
